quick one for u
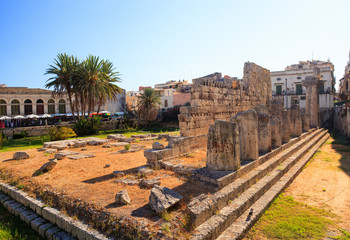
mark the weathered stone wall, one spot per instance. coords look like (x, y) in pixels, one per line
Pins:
(342, 120)
(214, 97)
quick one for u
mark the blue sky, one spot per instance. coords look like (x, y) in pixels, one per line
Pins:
(156, 41)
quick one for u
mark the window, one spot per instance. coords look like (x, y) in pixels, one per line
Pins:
(302, 98)
(15, 107)
(321, 88)
(295, 101)
(166, 103)
(39, 106)
(3, 108)
(278, 90)
(51, 106)
(61, 106)
(28, 108)
(278, 79)
(298, 77)
(299, 89)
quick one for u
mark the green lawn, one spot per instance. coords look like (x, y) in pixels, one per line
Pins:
(289, 219)
(13, 228)
(37, 142)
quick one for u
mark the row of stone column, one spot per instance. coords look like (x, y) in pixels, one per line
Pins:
(252, 133)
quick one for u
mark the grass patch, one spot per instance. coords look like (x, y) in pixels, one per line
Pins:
(12, 228)
(289, 219)
(37, 142)
(345, 235)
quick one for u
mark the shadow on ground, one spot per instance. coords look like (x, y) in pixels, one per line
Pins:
(341, 145)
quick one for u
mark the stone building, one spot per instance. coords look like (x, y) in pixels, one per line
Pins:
(287, 85)
(25, 101)
(344, 84)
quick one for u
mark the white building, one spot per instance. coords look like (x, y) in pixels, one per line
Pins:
(287, 84)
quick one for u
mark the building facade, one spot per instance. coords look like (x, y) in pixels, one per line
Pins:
(287, 85)
(344, 84)
(25, 101)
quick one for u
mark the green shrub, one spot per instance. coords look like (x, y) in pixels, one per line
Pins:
(61, 133)
(127, 147)
(22, 134)
(89, 126)
(3, 140)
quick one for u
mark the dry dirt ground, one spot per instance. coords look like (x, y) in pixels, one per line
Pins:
(325, 182)
(87, 179)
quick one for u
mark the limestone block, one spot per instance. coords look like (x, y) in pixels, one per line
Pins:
(248, 134)
(20, 155)
(276, 138)
(296, 124)
(264, 130)
(223, 151)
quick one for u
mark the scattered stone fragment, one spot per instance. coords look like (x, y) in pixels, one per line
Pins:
(62, 154)
(20, 155)
(118, 174)
(41, 149)
(157, 146)
(58, 146)
(106, 146)
(149, 183)
(162, 198)
(83, 149)
(96, 142)
(118, 144)
(107, 166)
(80, 143)
(80, 156)
(115, 136)
(127, 181)
(122, 198)
(50, 150)
(144, 172)
(48, 166)
(163, 135)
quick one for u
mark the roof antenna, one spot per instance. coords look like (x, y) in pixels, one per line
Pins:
(312, 56)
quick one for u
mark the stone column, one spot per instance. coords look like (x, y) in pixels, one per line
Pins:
(275, 125)
(223, 152)
(312, 98)
(305, 121)
(295, 121)
(248, 134)
(285, 127)
(264, 131)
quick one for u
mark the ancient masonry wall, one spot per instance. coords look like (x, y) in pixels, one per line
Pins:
(213, 98)
(342, 120)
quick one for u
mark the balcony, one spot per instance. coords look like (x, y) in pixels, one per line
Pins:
(283, 93)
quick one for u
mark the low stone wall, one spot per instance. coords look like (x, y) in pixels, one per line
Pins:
(342, 120)
(177, 146)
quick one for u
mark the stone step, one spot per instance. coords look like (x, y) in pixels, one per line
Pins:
(222, 219)
(242, 225)
(202, 208)
(220, 179)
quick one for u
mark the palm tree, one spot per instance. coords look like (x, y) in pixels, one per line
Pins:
(96, 83)
(148, 105)
(64, 70)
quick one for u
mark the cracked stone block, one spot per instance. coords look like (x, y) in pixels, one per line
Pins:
(43, 228)
(36, 223)
(51, 232)
(50, 214)
(79, 230)
(64, 222)
(25, 214)
(62, 236)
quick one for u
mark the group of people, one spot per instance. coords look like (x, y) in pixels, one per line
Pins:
(11, 123)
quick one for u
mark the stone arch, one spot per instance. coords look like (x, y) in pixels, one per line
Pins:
(28, 107)
(3, 107)
(39, 106)
(51, 106)
(61, 106)
(15, 107)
